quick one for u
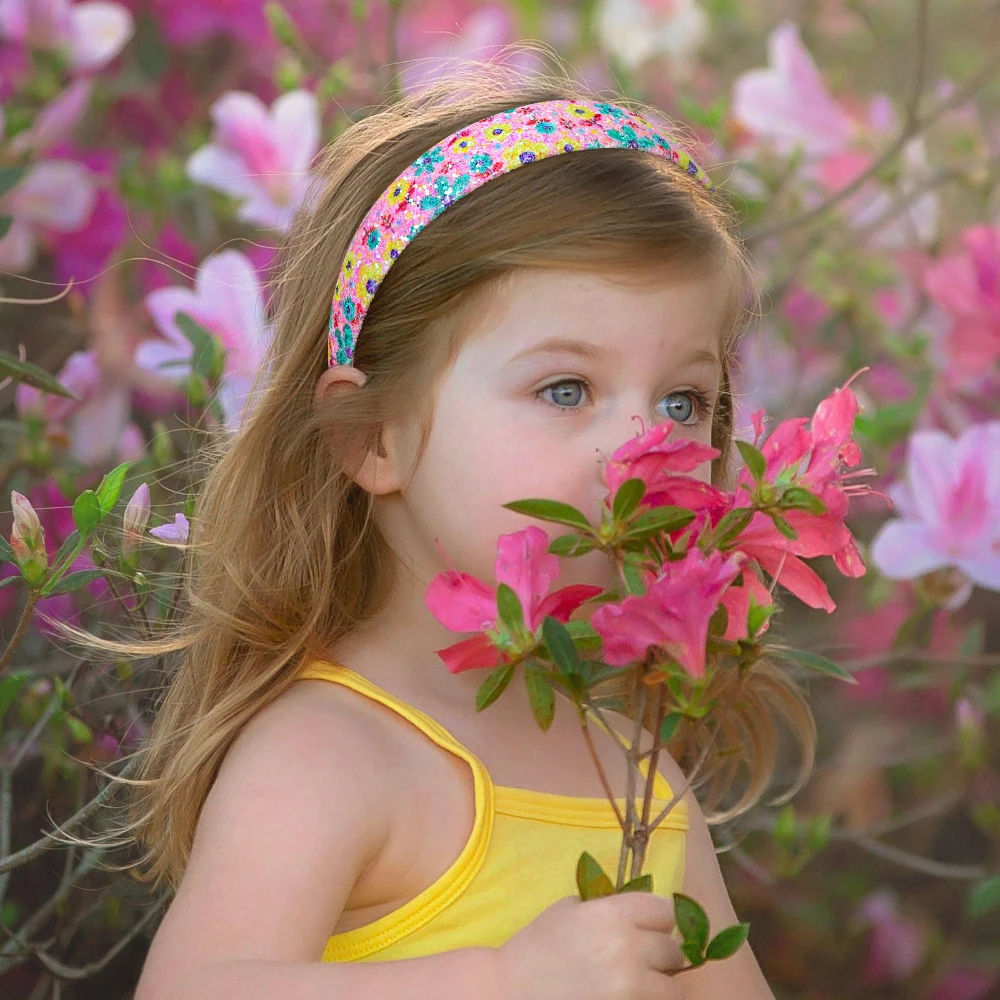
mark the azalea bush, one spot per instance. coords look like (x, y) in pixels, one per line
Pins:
(151, 155)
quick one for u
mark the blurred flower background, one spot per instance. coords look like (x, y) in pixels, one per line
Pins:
(151, 154)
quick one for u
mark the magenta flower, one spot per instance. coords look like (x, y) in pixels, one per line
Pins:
(950, 508)
(92, 32)
(260, 156)
(966, 286)
(463, 603)
(656, 459)
(673, 614)
(788, 103)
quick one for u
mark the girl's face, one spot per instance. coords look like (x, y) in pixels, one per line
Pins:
(540, 395)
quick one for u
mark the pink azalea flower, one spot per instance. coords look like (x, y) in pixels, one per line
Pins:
(896, 946)
(736, 601)
(55, 121)
(788, 103)
(654, 459)
(228, 301)
(54, 194)
(634, 31)
(463, 603)
(95, 424)
(673, 613)
(260, 156)
(950, 508)
(93, 32)
(966, 285)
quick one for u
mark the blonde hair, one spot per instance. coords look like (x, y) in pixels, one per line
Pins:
(285, 558)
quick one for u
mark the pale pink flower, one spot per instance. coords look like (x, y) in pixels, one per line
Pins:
(54, 194)
(949, 506)
(463, 603)
(789, 103)
(634, 31)
(896, 945)
(93, 32)
(966, 286)
(260, 156)
(135, 519)
(228, 301)
(96, 422)
(673, 614)
(55, 121)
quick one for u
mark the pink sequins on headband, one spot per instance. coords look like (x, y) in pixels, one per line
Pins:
(462, 162)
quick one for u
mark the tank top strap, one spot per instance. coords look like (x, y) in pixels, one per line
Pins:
(339, 674)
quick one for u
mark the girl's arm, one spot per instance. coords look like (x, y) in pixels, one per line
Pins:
(300, 807)
(738, 976)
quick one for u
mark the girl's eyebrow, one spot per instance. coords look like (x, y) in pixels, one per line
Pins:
(566, 345)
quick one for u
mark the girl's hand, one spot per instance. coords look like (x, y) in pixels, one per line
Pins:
(614, 948)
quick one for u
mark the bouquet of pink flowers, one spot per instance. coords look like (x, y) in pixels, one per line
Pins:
(690, 600)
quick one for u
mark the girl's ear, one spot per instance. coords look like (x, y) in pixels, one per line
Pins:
(379, 470)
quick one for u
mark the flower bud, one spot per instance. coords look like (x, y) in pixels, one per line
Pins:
(27, 539)
(135, 519)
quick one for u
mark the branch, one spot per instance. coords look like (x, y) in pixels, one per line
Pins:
(910, 130)
(22, 625)
(600, 770)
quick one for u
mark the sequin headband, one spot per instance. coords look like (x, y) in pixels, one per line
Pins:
(462, 162)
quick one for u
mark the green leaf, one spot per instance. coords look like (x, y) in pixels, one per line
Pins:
(726, 943)
(74, 581)
(6, 552)
(550, 510)
(209, 354)
(82, 733)
(509, 609)
(10, 176)
(10, 688)
(572, 545)
(628, 498)
(633, 578)
(983, 897)
(786, 826)
(783, 526)
(799, 498)
(693, 952)
(541, 695)
(813, 661)
(560, 644)
(660, 520)
(584, 636)
(591, 881)
(111, 487)
(669, 726)
(5, 223)
(494, 686)
(29, 374)
(9, 581)
(757, 616)
(755, 461)
(732, 525)
(692, 921)
(87, 512)
(642, 883)
(66, 547)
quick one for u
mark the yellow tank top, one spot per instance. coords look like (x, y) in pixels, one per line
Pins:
(519, 859)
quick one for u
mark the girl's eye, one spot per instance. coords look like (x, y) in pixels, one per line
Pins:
(688, 406)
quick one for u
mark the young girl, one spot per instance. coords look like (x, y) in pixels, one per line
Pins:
(336, 818)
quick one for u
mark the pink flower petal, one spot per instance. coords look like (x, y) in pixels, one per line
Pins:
(100, 31)
(461, 603)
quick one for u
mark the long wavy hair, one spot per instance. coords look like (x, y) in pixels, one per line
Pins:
(284, 557)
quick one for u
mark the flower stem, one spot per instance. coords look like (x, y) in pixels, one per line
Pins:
(600, 770)
(22, 626)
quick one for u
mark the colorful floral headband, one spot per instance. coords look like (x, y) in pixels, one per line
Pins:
(464, 161)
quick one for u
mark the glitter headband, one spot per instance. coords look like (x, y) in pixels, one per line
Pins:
(462, 162)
